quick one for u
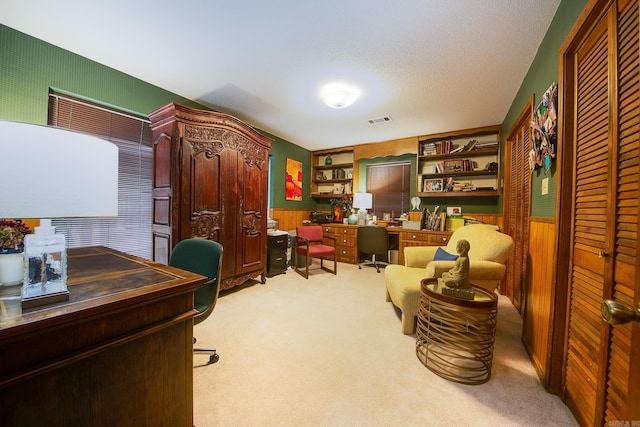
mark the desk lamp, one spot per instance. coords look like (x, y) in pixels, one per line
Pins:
(53, 173)
(362, 201)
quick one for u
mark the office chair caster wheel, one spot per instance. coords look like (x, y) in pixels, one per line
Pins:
(213, 358)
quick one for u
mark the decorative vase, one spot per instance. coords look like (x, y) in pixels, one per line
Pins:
(11, 266)
(328, 160)
(353, 219)
(11, 277)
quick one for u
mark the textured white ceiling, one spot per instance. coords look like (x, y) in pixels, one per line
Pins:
(432, 65)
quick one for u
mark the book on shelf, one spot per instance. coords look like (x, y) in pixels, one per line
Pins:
(428, 148)
(435, 220)
(439, 147)
(487, 144)
(463, 186)
(470, 145)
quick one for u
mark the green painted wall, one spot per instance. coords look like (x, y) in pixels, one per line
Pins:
(282, 150)
(29, 67)
(542, 73)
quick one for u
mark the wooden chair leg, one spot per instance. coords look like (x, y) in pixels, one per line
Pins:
(335, 264)
(304, 273)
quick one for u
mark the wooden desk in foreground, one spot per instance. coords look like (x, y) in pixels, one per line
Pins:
(119, 352)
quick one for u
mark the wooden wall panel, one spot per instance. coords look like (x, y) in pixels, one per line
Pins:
(290, 218)
(538, 286)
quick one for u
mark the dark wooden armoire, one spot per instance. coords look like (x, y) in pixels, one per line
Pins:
(210, 176)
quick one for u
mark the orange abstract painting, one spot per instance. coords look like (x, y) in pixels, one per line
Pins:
(293, 183)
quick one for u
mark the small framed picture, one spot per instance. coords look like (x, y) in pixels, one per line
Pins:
(453, 166)
(432, 185)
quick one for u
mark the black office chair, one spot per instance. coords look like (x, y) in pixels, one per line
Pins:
(373, 240)
(202, 257)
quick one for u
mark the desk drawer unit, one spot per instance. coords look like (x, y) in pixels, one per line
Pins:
(277, 254)
(421, 238)
(346, 250)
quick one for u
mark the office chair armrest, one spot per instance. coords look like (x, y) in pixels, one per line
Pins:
(332, 238)
(301, 240)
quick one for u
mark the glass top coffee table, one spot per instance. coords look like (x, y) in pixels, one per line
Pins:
(455, 336)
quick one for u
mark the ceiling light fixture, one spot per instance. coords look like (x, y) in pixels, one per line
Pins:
(339, 95)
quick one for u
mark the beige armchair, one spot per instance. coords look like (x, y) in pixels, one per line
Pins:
(489, 252)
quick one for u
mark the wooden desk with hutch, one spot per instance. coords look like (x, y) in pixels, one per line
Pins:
(346, 240)
(119, 352)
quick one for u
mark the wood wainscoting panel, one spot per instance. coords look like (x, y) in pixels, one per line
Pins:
(539, 290)
(289, 219)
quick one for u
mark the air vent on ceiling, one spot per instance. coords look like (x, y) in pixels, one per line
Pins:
(379, 120)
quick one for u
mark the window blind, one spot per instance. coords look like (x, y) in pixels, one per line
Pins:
(130, 232)
(389, 183)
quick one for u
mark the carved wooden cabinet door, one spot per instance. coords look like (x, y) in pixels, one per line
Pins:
(212, 181)
(252, 192)
(224, 177)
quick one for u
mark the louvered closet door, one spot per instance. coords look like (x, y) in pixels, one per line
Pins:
(622, 397)
(603, 262)
(517, 205)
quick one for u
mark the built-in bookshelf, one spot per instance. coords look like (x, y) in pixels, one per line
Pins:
(332, 173)
(459, 164)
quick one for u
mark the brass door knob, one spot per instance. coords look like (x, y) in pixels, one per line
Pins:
(603, 253)
(615, 313)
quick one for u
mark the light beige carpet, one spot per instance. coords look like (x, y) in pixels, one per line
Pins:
(328, 351)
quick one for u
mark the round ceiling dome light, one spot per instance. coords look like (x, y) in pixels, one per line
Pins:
(339, 95)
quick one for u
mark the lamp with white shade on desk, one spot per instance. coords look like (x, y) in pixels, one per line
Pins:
(362, 201)
(53, 173)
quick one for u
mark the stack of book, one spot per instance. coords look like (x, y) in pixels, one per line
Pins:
(428, 148)
(474, 143)
(463, 186)
(436, 147)
(487, 144)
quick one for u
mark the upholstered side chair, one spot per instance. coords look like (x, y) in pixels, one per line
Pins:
(490, 250)
(309, 244)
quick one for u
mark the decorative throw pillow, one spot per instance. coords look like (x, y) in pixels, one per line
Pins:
(442, 255)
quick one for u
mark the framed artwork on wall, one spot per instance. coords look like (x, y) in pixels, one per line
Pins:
(293, 180)
(544, 131)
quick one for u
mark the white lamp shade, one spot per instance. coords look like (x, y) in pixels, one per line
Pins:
(363, 200)
(55, 173)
